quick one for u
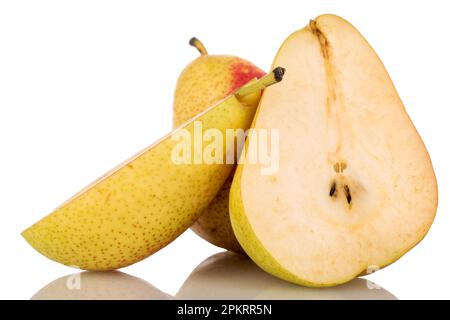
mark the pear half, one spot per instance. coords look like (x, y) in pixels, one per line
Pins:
(355, 187)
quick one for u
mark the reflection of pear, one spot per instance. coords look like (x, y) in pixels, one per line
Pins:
(231, 276)
(100, 286)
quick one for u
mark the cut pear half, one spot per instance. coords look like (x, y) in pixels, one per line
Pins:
(355, 188)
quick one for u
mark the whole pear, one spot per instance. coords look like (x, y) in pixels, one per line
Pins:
(206, 80)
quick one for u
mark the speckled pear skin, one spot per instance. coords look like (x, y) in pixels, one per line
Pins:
(141, 206)
(203, 82)
(208, 79)
(214, 224)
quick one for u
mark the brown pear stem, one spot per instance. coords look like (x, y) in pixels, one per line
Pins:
(198, 45)
(273, 77)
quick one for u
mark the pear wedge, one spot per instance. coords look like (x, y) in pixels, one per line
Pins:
(355, 189)
(148, 201)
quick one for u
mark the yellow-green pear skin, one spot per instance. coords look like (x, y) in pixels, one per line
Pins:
(355, 189)
(148, 201)
(214, 223)
(206, 80)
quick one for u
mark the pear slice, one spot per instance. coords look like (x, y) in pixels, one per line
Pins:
(355, 189)
(145, 203)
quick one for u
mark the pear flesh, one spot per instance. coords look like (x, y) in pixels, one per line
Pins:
(355, 188)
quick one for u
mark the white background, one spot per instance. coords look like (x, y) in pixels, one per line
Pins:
(86, 84)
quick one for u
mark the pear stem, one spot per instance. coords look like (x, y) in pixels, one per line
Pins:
(273, 77)
(198, 45)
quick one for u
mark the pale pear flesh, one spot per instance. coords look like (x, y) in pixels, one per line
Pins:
(356, 187)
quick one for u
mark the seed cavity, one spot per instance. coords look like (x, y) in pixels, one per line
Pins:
(339, 167)
(340, 184)
(333, 189)
(348, 195)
